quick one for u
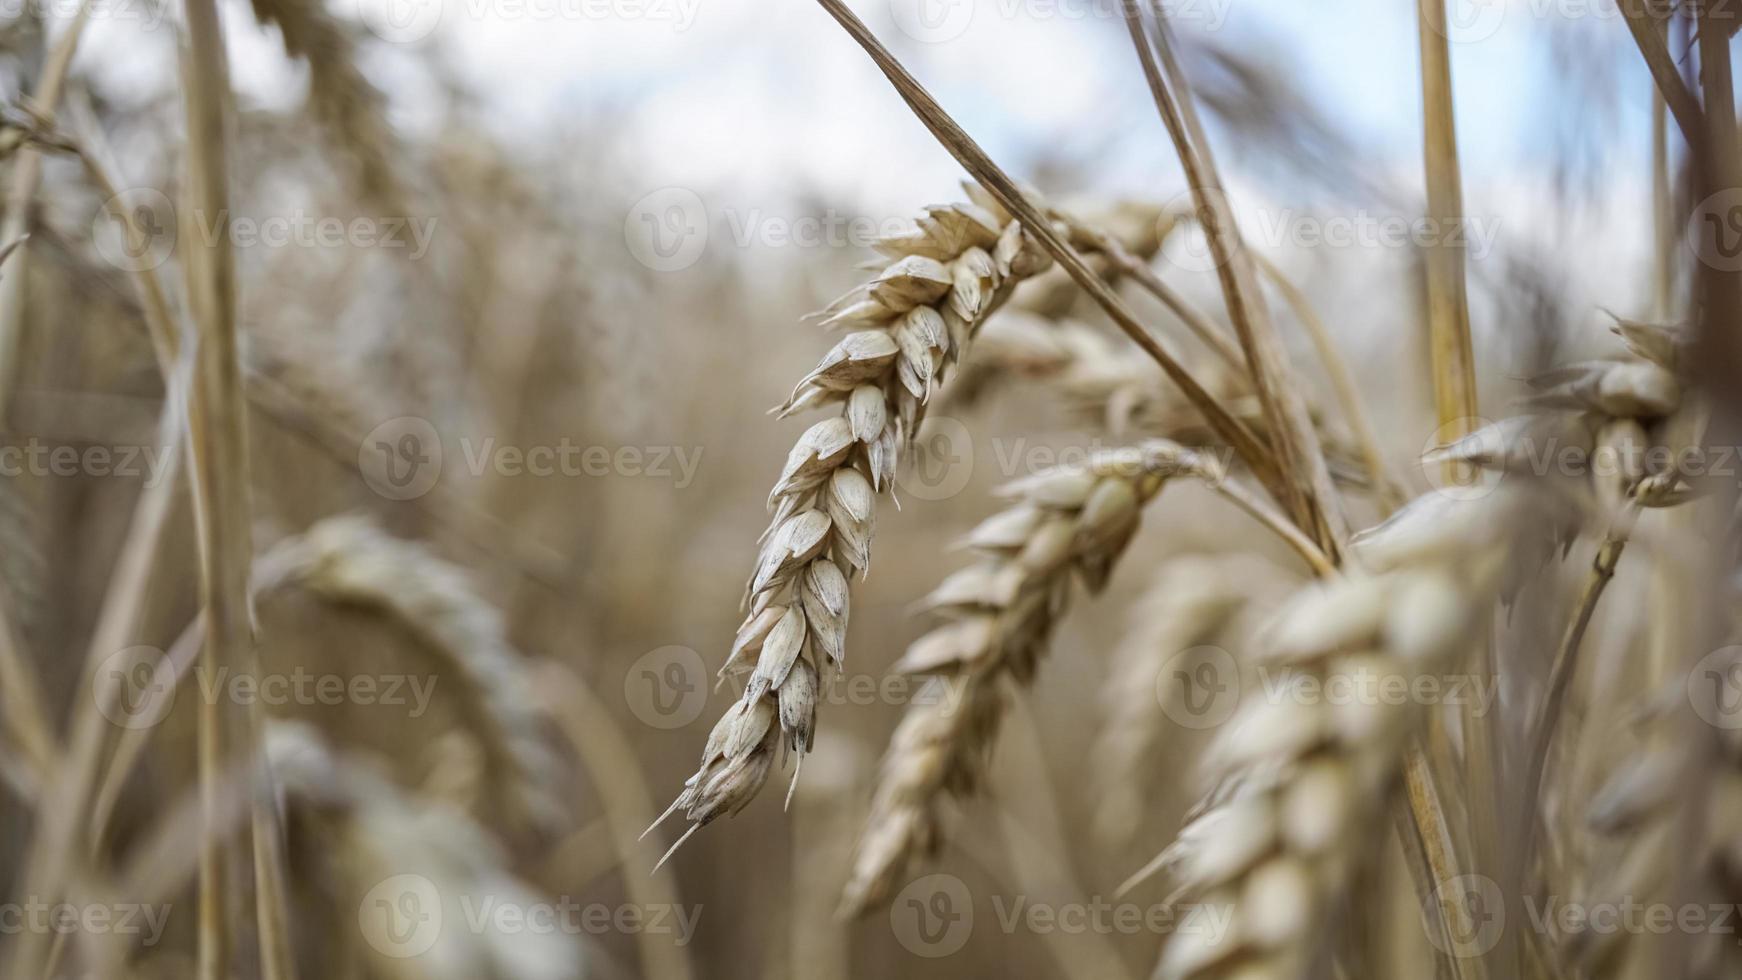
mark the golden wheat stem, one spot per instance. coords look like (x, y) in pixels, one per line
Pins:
(219, 443)
(1201, 326)
(1311, 498)
(1680, 102)
(1273, 521)
(1453, 364)
(1565, 665)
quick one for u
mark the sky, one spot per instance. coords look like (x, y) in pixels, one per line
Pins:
(767, 104)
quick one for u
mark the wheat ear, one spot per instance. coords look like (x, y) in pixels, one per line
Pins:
(349, 831)
(906, 327)
(1294, 776)
(348, 560)
(1067, 523)
(352, 110)
(1192, 601)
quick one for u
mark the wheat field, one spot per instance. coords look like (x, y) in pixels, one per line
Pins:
(454, 526)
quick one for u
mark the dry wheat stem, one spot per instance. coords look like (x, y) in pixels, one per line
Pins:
(219, 443)
(1067, 523)
(1309, 495)
(976, 162)
(1655, 52)
(1201, 326)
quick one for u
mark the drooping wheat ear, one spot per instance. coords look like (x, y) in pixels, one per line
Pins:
(907, 326)
(363, 851)
(348, 560)
(1192, 602)
(341, 98)
(1068, 522)
(1296, 777)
